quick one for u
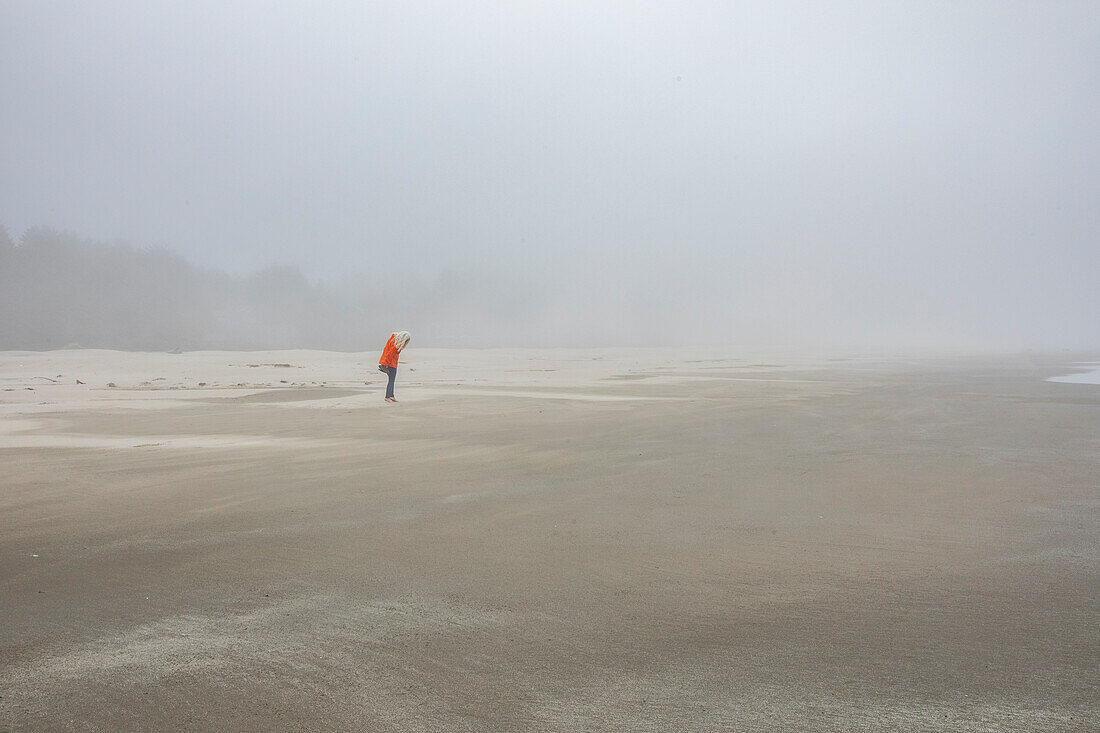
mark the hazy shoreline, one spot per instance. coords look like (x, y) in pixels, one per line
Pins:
(804, 434)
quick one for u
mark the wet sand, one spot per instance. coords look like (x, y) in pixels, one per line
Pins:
(547, 540)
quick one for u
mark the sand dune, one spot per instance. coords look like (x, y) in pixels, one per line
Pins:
(547, 540)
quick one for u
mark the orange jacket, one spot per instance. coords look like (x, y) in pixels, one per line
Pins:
(390, 353)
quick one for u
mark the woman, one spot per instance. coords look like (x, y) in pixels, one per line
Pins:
(388, 363)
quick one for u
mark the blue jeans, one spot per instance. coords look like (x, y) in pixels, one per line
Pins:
(392, 371)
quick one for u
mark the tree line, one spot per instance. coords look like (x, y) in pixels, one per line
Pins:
(58, 290)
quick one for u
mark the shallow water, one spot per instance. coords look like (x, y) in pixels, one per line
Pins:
(1090, 377)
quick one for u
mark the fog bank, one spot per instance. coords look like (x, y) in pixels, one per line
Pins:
(57, 290)
(912, 173)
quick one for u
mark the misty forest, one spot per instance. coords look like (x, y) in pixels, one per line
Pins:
(58, 290)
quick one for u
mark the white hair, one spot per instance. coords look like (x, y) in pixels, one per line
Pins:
(401, 339)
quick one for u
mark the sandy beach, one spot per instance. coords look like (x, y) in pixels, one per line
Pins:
(548, 540)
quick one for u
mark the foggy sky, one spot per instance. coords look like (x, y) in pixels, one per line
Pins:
(720, 173)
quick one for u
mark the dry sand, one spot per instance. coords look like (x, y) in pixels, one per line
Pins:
(547, 540)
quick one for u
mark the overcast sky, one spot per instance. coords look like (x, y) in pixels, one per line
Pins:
(880, 172)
